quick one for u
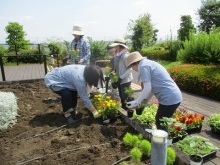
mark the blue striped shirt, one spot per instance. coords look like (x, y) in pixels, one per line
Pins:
(71, 77)
(84, 50)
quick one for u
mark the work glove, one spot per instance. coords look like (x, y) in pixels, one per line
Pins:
(80, 61)
(96, 114)
(132, 104)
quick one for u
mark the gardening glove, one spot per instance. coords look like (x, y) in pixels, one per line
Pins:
(96, 114)
(80, 61)
(132, 104)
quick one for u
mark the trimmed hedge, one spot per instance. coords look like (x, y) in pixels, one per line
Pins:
(198, 79)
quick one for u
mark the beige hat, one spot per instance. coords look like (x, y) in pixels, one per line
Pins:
(78, 30)
(119, 41)
(134, 57)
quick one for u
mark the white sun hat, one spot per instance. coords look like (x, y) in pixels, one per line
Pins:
(78, 30)
(119, 41)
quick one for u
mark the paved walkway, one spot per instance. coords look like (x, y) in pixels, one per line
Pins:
(190, 102)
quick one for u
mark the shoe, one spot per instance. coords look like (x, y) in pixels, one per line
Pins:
(70, 120)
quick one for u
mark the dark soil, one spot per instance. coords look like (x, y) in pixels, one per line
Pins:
(41, 135)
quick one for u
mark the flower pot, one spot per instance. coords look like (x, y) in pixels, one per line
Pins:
(194, 130)
(130, 113)
(139, 110)
(107, 78)
(114, 85)
(176, 139)
(169, 141)
(215, 131)
(195, 160)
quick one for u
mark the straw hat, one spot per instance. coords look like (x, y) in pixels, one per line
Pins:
(134, 57)
(119, 41)
(77, 30)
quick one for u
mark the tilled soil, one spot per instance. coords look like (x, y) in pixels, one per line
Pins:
(42, 136)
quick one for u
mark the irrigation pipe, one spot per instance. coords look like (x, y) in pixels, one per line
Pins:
(47, 132)
(122, 159)
(69, 150)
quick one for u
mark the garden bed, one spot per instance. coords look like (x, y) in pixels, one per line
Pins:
(41, 135)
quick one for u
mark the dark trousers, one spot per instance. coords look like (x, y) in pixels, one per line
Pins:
(165, 111)
(68, 98)
(123, 95)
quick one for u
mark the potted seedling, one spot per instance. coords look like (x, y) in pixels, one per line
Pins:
(141, 107)
(129, 91)
(75, 55)
(214, 122)
(197, 146)
(114, 79)
(176, 130)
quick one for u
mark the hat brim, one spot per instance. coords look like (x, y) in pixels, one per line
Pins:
(136, 60)
(116, 44)
(80, 33)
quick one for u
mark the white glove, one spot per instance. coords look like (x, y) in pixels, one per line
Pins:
(132, 104)
(80, 61)
(96, 114)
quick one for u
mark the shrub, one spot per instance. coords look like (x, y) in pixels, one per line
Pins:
(201, 48)
(198, 79)
(156, 54)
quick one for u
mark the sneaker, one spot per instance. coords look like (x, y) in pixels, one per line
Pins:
(70, 120)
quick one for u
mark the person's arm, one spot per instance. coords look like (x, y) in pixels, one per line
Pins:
(145, 94)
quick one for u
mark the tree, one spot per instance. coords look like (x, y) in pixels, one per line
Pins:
(16, 36)
(209, 15)
(142, 32)
(186, 27)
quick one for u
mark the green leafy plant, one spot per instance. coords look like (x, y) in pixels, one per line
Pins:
(127, 139)
(171, 156)
(145, 147)
(113, 77)
(136, 154)
(196, 145)
(75, 53)
(148, 115)
(214, 121)
(107, 71)
(129, 91)
(174, 128)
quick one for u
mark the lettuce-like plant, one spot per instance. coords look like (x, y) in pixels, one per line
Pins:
(171, 156)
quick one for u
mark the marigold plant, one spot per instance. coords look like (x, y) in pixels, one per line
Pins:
(106, 106)
(107, 71)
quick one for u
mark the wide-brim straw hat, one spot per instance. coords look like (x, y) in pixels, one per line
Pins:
(78, 30)
(134, 57)
(119, 41)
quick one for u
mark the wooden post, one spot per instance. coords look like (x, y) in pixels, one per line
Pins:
(2, 69)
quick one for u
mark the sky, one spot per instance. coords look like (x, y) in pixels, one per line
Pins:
(43, 20)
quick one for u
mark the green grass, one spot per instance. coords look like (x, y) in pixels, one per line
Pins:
(168, 64)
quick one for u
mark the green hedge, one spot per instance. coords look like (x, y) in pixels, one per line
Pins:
(156, 54)
(198, 79)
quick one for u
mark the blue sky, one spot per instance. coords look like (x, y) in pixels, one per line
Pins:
(101, 19)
